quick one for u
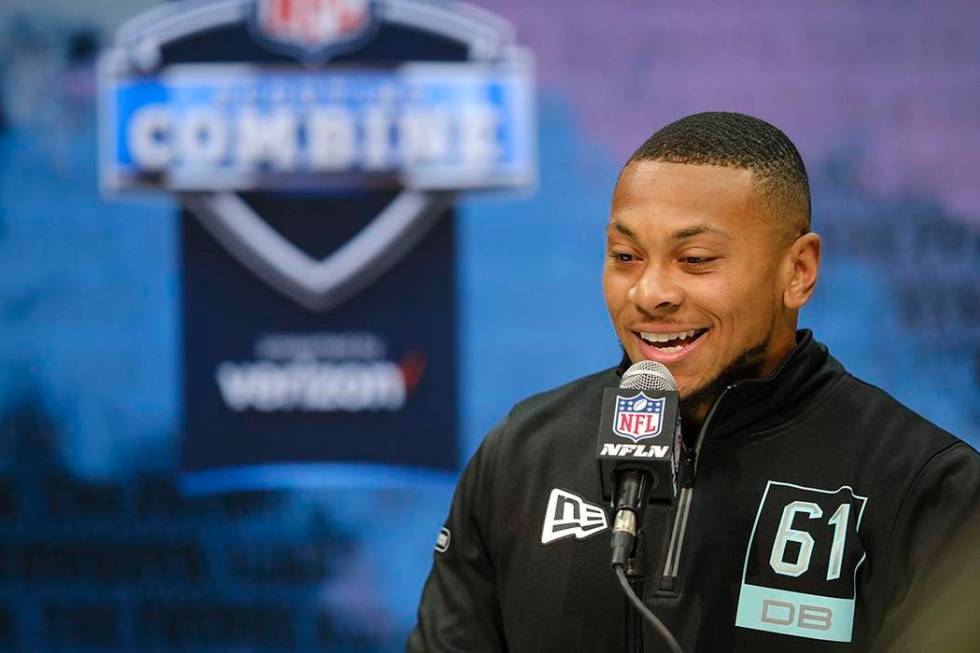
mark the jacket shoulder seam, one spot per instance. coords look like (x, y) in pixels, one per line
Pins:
(905, 498)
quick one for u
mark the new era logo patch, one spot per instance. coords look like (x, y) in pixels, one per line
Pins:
(442, 541)
(569, 515)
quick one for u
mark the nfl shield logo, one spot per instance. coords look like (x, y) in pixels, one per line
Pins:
(638, 417)
(313, 29)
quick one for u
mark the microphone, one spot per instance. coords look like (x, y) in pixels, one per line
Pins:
(636, 436)
(639, 427)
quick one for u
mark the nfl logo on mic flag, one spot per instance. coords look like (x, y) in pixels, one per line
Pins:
(638, 417)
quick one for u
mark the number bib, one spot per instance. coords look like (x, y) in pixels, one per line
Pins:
(800, 573)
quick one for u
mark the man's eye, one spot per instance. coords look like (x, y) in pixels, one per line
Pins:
(698, 260)
(622, 257)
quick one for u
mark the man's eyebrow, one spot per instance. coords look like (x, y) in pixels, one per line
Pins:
(681, 234)
(623, 229)
(697, 230)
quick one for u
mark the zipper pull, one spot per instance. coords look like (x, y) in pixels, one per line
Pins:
(687, 468)
(683, 460)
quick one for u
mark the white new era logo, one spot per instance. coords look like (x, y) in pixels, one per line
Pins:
(569, 515)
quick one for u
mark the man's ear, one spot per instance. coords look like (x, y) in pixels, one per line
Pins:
(802, 268)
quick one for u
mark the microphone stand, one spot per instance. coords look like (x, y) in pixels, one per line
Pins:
(635, 575)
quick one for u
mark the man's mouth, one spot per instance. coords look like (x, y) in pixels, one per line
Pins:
(669, 348)
(671, 342)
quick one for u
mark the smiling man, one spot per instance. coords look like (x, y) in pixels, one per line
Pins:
(817, 507)
(710, 254)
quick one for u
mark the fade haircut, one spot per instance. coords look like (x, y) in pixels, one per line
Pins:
(736, 140)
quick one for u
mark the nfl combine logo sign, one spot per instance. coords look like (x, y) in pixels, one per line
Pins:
(638, 417)
(313, 29)
(320, 145)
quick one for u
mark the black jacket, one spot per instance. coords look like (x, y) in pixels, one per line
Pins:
(818, 507)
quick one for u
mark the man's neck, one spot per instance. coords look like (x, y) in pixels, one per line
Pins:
(758, 362)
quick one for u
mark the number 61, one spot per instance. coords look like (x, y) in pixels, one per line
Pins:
(786, 533)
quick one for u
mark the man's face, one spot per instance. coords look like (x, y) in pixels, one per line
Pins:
(695, 273)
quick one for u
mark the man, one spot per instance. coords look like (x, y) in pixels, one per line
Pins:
(817, 502)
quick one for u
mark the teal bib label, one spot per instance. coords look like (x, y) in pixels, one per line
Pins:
(800, 572)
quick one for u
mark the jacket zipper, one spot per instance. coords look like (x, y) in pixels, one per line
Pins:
(688, 470)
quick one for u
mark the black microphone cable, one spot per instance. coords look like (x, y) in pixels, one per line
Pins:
(645, 611)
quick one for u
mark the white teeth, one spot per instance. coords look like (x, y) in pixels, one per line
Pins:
(667, 337)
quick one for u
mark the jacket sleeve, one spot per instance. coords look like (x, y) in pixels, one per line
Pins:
(459, 610)
(933, 548)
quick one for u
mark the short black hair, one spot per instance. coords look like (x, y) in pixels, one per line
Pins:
(735, 140)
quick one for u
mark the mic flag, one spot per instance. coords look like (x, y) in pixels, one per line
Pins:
(637, 432)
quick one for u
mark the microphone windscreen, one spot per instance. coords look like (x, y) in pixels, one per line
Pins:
(648, 375)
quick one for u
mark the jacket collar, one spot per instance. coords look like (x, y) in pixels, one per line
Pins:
(757, 404)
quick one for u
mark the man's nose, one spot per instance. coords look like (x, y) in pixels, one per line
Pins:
(656, 291)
